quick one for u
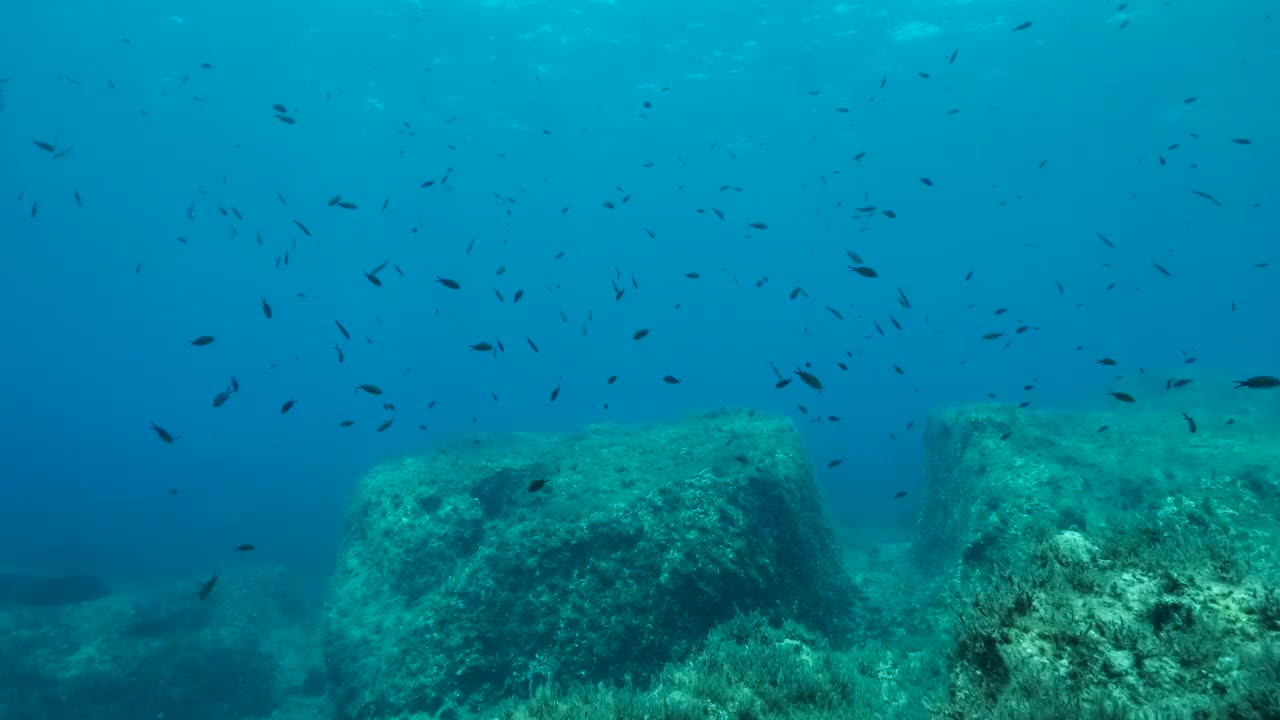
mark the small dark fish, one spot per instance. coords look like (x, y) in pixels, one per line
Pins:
(1106, 241)
(611, 380)
(1191, 424)
(809, 379)
(1242, 141)
(1162, 270)
(244, 548)
(900, 494)
(201, 341)
(554, 394)
(371, 389)
(386, 424)
(951, 60)
(835, 312)
(864, 271)
(835, 463)
(532, 344)
(279, 108)
(1259, 382)
(266, 308)
(1121, 396)
(1208, 197)
(1101, 428)
(303, 228)
(758, 225)
(287, 120)
(1023, 26)
(163, 434)
(341, 356)
(342, 329)
(287, 406)
(482, 346)
(992, 335)
(221, 398)
(671, 380)
(926, 181)
(451, 284)
(537, 485)
(208, 586)
(782, 383)
(373, 279)
(692, 275)
(346, 423)
(1105, 361)
(642, 332)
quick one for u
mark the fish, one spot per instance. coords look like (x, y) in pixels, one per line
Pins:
(1121, 396)
(208, 586)
(611, 380)
(338, 349)
(266, 308)
(555, 393)
(163, 434)
(809, 379)
(305, 230)
(1208, 197)
(537, 484)
(1259, 382)
(47, 147)
(1242, 141)
(671, 380)
(516, 298)
(244, 548)
(373, 279)
(758, 225)
(201, 341)
(346, 423)
(639, 334)
(900, 494)
(1105, 361)
(864, 271)
(278, 107)
(992, 335)
(371, 389)
(482, 346)
(1107, 242)
(1022, 26)
(342, 329)
(1162, 270)
(532, 344)
(288, 406)
(835, 463)
(451, 284)
(1101, 428)
(221, 398)
(286, 119)
(1191, 424)
(385, 424)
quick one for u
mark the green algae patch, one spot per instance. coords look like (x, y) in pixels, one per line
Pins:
(1128, 572)
(458, 586)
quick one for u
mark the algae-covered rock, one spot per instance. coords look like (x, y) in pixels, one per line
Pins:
(459, 583)
(1106, 565)
(157, 653)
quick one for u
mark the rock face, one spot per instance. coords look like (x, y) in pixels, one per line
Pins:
(1123, 572)
(459, 583)
(238, 654)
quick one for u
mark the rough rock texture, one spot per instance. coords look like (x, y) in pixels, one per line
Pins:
(239, 654)
(458, 586)
(1109, 573)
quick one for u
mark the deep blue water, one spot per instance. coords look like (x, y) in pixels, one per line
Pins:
(537, 107)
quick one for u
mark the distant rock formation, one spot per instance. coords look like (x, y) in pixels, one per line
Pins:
(490, 569)
(34, 591)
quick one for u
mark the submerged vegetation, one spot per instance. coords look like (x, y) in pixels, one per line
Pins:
(685, 572)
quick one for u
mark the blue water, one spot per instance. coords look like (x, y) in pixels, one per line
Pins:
(538, 107)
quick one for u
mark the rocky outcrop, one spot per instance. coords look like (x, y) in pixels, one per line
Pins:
(494, 567)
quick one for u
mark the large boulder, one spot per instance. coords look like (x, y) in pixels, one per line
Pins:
(1106, 564)
(464, 580)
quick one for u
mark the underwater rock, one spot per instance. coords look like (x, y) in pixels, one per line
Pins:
(35, 591)
(491, 568)
(1126, 573)
(160, 653)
